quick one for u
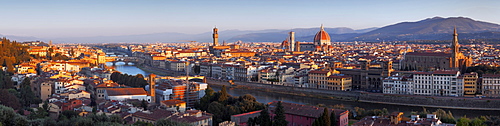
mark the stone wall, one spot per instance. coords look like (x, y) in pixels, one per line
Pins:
(432, 101)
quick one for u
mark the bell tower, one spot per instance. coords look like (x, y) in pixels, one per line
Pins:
(455, 48)
(291, 41)
(215, 36)
(152, 87)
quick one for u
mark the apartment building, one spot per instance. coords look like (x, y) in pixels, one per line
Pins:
(491, 85)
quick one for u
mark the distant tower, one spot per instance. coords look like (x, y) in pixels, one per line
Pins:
(291, 41)
(455, 50)
(188, 86)
(297, 46)
(50, 43)
(224, 43)
(152, 87)
(216, 37)
(365, 65)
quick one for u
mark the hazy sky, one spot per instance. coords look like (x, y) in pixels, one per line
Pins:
(69, 18)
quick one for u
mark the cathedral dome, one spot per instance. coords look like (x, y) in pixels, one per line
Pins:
(322, 37)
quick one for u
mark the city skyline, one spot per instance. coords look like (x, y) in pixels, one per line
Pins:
(49, 19)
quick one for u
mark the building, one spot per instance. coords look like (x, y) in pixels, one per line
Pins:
(46, 90)
(245, 73)
(174, 105)
(398, 84)
(369, 75)
(242, 119)
(151, 117)
(122, 94)
(304, 115)
(470, 84)
(339, 82)
(322, 40)
(318, 79)
(192, 117)
(216, 49)
(176, 89)
(438, 83)
(491, 85)
(397, 119)
(425, 61)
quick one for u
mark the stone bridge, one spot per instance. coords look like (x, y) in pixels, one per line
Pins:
(126, 60)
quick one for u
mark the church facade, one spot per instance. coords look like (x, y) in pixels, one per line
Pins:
(422, 61)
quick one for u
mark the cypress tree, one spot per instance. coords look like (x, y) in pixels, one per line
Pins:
(223, 94)
(264, 119)
(333, 119)
(280, 118)
(326, 117)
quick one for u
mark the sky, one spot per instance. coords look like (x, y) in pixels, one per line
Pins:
(85, 18)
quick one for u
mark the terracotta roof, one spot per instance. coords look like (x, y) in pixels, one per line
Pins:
(107, 85)
(154, 115)
(304, 110)
(422, 73)
(337, 76)
(446, 72)
(318, 72)
(172, 102)
(491, 75)
(321, 35)
(125, 91)
(189, 119)
(428, 54)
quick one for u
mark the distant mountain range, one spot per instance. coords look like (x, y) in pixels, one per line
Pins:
(436, 28)
(19, 38)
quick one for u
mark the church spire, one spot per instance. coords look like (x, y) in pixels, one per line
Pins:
(455, 31)
(322, 29)
(455, 47)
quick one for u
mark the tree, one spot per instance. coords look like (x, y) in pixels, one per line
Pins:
(223, 94)
(280, 118)
(250, 121)
(218, 110)
(463, 121)
(9, 99)
(168, 122)
(144, 104)
(27, 96)
(333, 119)
(264, 119)
(5, 81)
(324, 119)
(205, 100)
(477, 122)
(10, 118)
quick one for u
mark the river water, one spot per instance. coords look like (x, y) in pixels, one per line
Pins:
(128, 69)
(265, 97)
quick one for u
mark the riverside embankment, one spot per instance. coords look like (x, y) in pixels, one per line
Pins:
(268, 93)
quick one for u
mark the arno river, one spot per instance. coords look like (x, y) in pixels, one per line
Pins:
(264, 97)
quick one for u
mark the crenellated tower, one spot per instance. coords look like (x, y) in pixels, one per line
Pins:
(215, 36)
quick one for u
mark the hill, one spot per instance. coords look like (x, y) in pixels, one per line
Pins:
(436, 28)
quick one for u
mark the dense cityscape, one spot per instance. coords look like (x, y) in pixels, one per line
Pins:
(265, 63)
(78, 83)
